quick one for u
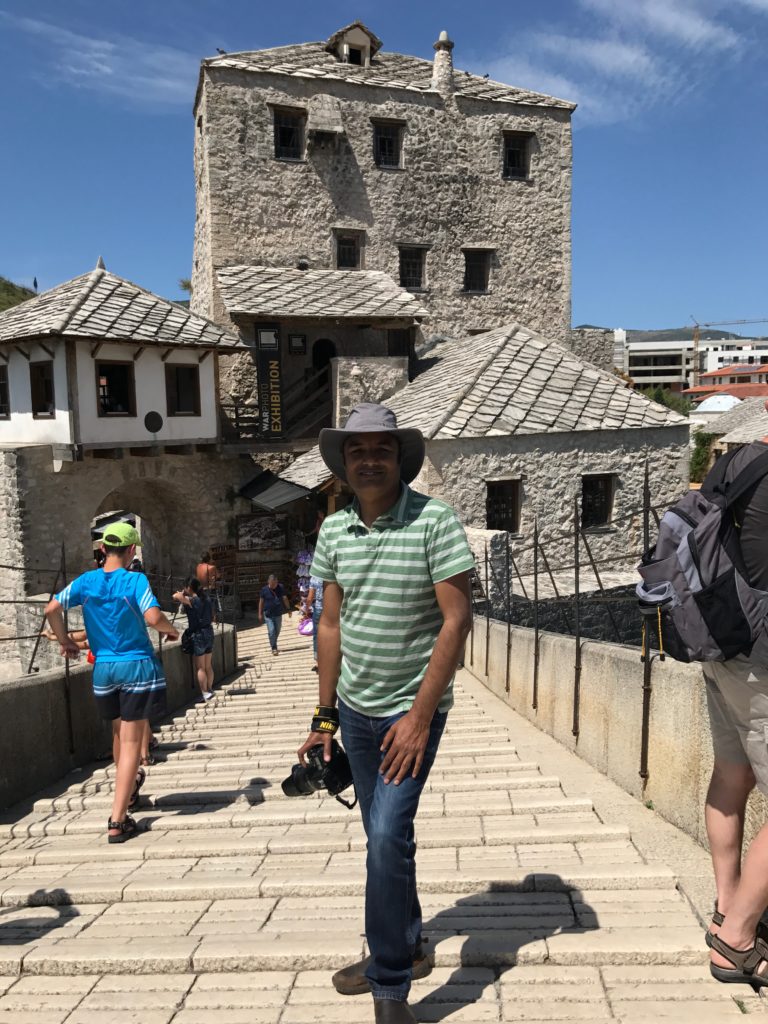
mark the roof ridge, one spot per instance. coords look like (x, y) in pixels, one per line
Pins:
(91, 281)
(459, 398)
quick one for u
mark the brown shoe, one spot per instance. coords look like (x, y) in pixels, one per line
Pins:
(389, 1011)
(351, 981)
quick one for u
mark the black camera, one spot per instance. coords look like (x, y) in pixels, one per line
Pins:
(334, 776)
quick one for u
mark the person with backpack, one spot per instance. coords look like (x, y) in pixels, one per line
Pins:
(706, 589)
(199, 609)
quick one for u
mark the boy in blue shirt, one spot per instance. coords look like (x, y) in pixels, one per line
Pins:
(128, 680)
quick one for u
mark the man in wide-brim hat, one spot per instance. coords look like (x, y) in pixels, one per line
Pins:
(396, 614)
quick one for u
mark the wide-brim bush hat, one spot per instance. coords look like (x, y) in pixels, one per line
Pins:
(370, 418)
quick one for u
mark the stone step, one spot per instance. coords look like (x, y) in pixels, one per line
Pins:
(150, 884)
(330, 838)
(257, 792)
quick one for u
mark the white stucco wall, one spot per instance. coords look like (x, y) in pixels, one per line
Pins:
(22, 427)
(149, 372)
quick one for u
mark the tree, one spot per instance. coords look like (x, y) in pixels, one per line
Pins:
(185, 284)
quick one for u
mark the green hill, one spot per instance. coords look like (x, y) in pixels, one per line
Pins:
(12, 294)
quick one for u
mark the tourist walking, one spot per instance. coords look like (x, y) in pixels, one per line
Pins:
(396, 614)
(128, 680)
(272, 605)
(199, 611)
(315, 609)
(737, 698)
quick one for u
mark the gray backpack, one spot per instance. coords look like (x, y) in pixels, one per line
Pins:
(695, 595)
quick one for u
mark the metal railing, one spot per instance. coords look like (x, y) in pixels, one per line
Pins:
(519, 600)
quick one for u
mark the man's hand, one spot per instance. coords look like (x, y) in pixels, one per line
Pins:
(69, 649)
(404, 744)
(172, 635)
(311, 741)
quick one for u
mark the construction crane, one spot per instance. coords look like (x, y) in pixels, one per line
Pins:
(713, 323)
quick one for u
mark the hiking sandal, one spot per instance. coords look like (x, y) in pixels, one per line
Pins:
(718, 919)
(128, 829)
(745, 963)
(141, 778)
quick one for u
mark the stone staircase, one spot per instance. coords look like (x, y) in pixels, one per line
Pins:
(236, 903)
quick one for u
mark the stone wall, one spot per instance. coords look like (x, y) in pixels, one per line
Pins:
(594, 345)
(610, 716)
(550, 467)
(450, 193)
(356, 380)
(34, 735)
(186, 503)
(11, 547)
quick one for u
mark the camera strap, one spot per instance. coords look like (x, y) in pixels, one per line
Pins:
(347, 804)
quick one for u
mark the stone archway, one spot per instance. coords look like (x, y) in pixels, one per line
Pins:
(170, 539)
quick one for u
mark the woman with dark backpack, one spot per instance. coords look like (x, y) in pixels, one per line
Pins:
(199, 609)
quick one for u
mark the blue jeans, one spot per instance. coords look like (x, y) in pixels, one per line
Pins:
(316, 613)
(392, 909)
(274, 626)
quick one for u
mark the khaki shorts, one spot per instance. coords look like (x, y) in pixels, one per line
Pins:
(737, 697)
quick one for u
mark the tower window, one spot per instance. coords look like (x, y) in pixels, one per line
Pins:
(412, 261)
(348, 250)
(387, 144)
(517, 154)
(289, 134)
(502, 505)
(477, 269)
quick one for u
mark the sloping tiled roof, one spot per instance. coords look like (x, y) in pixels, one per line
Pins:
(735, 368)
(509, 382)
(738, 416)
(104, 306)
(737, 390)
(309, 294)
(388, 70)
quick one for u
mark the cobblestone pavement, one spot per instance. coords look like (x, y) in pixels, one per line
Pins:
(548, 893)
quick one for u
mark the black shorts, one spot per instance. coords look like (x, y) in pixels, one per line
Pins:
(131, 690)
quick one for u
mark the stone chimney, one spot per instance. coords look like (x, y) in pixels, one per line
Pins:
(442, 67)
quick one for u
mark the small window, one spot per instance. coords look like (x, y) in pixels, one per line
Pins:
(355, 56)
(289, 134)
(182, 389)
(387, 144)
(5, 393)
(412, 260)
(597, 500)
(41, 386)
(502, 505)
(477, 269)
(348, 246)
(116, 391)
(517, 154)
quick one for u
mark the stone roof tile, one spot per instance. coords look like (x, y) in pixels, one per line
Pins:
(386, 70)
(272, 292)
(102, 306)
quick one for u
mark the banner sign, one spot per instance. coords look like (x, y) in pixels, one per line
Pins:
(270, 381)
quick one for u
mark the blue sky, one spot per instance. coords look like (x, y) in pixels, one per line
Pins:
(670, 139)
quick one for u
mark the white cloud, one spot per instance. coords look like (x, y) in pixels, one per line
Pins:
(672, 20)
(620, 58)
(144, 73)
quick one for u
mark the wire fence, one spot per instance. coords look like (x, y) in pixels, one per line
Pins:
(582, 596)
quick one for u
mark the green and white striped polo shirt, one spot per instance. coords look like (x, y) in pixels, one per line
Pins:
(389, 615)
